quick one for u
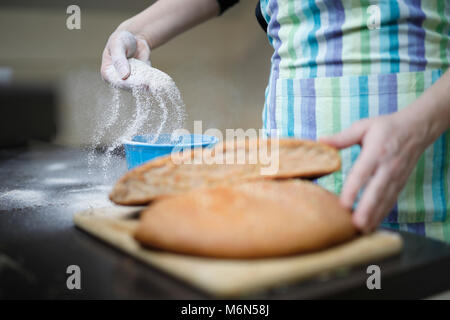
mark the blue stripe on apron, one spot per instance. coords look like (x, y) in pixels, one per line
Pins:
(290, 108)
(439, 155)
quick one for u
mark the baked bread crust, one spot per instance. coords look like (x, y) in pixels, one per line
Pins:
(250, 220)
(162, 177)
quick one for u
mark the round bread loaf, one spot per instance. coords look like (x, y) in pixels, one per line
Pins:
(249, 220)
(263, 159)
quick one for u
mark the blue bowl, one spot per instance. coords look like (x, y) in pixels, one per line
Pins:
(139, 150)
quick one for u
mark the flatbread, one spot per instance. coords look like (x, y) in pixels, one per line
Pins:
(165, 177)
(250, 220)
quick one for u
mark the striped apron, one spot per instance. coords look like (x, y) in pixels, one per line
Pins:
(338, 61)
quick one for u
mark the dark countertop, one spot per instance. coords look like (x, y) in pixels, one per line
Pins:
(43, 185)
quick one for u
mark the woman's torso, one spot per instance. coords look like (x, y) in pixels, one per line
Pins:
(337, 61)
(332, 38)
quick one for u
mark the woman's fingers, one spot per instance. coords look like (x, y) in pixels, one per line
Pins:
(122, 46)
(143, 50)
(348, 137)
(360, 174)
(375, 199)
(386, 203)
(106, 63)
(382, 169)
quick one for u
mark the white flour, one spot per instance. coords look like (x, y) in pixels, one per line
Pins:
(20, 199)
(83, 198)
(156, 97)
(103, 124)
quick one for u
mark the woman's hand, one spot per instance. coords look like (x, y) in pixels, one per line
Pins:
(391, 146)
(150, 28)
(122, 45)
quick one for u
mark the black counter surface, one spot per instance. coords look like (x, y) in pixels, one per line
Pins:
(43, 185)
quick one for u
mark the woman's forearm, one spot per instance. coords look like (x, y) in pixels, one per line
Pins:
(430, 113)
(438, 96)
(166, 19)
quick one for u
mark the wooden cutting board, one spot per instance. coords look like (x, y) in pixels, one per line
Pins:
(231, 278)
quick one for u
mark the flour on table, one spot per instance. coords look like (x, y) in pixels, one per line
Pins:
(22, 198)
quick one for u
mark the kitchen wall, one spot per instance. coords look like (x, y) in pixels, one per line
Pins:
(221, 67)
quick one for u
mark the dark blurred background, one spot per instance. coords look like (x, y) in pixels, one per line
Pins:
(50, 86)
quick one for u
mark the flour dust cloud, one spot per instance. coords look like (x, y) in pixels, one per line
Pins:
(158, 107)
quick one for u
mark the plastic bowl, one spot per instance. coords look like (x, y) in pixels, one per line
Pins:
(139, 150)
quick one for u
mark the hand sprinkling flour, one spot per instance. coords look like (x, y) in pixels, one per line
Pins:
(155, 95)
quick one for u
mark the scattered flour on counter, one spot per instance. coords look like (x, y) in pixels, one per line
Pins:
(81, 198)
(91, 197)
(156, 96)
(21, 199)
(60, 181)
(56, 167)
